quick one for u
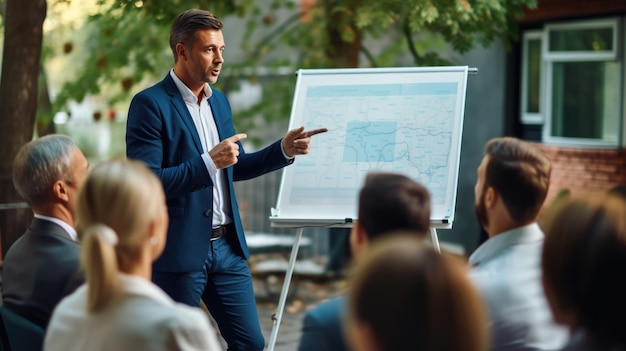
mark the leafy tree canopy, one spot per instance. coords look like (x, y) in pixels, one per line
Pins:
(123, 46)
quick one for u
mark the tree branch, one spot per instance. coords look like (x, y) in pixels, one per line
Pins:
(275, 32)
(369, 56)
(409, 41)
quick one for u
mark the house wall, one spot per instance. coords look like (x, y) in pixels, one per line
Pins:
(485, 118)
(580, 170)
(556, 9)
(584, 171)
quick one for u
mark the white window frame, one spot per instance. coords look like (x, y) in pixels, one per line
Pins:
(549, 58)
(531, 117)
(565, 56)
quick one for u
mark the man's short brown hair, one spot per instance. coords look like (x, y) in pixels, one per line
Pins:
(392, 202)
(520, 173)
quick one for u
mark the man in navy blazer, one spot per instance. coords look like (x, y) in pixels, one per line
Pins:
(42, 266)
(183, 130)
(388, 203)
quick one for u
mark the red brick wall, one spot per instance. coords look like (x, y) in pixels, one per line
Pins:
(584, 171)
(556, 9)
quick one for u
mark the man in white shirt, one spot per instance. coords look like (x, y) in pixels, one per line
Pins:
(512, 184)
(42, 266)
(182, 128)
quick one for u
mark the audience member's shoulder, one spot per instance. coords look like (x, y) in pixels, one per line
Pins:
(45, 251)
(58, 251)
(327, 310)
(187, 323)
(164, 317)
(189, 313)
(75, 301)
(16, 248)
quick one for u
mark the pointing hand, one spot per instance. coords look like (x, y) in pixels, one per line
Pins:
(225, 153)
(298, 142)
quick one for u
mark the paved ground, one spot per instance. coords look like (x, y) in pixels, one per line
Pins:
(289, 331)
(305, 292)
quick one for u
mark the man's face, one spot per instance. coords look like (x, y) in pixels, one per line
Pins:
(204, 57)
(479, 193)
(78, 172)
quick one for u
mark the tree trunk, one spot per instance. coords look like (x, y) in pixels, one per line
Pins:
(44, 124)
(23, 37)
(340, 52)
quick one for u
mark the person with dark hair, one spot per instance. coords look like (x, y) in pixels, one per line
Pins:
(122, 220)
(405, 296)
(583, 262)
(42, 266)
(511, 186)
(388, 202)
(183, 129)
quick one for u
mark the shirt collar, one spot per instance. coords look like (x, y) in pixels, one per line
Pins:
(492, 247)
(187, 94)
(71, 232)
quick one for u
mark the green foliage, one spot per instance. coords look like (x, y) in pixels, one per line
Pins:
(3, 5)
(124, 45)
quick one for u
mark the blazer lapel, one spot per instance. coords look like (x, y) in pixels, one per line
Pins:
(179, 104)
(218, 114)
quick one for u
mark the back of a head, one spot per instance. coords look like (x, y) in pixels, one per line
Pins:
(583, 262)
(393, 202)
(407, 296)
(520, 173)
(116, 204)
(39, 164)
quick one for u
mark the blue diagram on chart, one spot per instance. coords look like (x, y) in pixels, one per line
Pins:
(370, 142)
(405, 128)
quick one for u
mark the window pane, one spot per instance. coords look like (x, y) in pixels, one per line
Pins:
(597, 39)
(534, 66)
(585, 100)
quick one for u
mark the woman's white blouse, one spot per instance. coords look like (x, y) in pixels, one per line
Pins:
(142, 317)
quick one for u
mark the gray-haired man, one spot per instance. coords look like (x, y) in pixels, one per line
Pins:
(41, 267)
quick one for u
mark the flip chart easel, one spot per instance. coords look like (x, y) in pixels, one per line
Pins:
(404, 120)
(285, 289)
(277, 318)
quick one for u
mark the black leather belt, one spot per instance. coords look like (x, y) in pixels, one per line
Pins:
(221, 231)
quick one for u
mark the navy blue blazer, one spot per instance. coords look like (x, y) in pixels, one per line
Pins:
(40, 268)
(161, 133)
(322, 327)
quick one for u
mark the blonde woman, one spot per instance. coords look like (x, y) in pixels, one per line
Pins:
(406, 296)
(122, 219)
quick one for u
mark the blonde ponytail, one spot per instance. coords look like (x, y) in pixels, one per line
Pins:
(100, 263)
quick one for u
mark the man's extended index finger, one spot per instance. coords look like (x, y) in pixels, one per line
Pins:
(235, 138)
(314, 132)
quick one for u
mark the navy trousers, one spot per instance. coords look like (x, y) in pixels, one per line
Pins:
(225, 286)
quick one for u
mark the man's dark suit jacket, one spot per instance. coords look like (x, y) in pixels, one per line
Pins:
(161, 133)
(322, 327)
(39, 269)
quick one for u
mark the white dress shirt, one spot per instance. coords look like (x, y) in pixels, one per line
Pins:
(507, 272)
(207, 131)
(142, 317)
